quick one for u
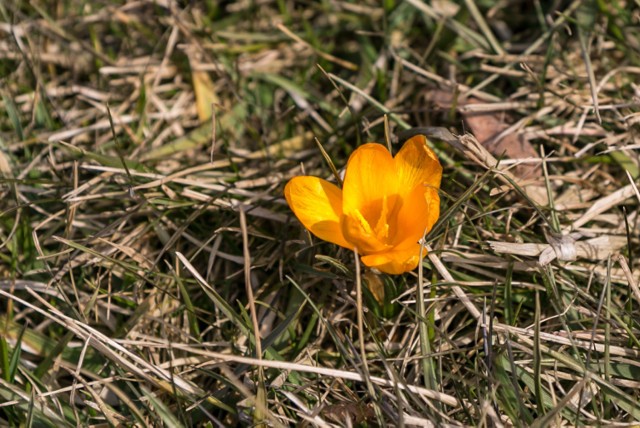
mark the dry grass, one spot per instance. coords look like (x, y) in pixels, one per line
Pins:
(145, 243)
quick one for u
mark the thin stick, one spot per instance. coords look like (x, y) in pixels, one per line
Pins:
(214, 131)
(387, 133)
(475, 312)
(260, 395)
(341, 62)
(360, 316)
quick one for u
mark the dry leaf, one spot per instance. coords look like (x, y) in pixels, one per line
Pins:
(203, 87)
(565, 248)
(487, 127)
(375, 285)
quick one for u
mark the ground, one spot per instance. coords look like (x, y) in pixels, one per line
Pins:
(145, 241)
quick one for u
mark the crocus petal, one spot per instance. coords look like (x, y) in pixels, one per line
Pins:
(417, 164)
(370, 176)
(396, 261)
(318, 205)
(433, 199)
(417, 215)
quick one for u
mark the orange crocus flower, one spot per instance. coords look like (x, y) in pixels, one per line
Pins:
(384, 208)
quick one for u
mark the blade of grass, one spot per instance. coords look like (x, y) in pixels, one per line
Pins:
(427, 363)
(537, 358)
(166, 415)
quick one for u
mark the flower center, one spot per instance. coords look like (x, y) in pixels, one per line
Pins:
(370, 229)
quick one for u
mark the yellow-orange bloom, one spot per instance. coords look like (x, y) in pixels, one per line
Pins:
(384, 208)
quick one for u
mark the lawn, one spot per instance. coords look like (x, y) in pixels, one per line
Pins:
(152, 272)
